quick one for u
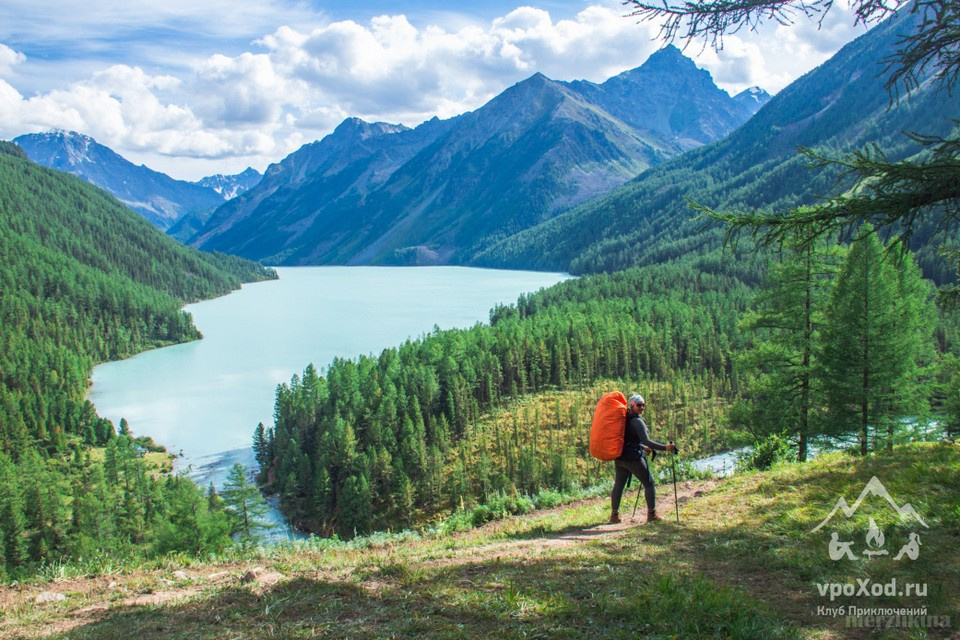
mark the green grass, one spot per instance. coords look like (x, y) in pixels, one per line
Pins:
(742, 563)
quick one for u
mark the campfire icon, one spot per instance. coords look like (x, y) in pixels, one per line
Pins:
(875, 538)
(875, 541)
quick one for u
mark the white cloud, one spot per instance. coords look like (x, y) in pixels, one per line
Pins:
(822, 39)
(10, 101)
(597, 44)
(254, 106)
(9, 59)
(242, 92)
(392, 70)
(119, 107)
(740, 64)
(776, 55)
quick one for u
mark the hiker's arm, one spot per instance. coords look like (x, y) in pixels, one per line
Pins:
(640, 431)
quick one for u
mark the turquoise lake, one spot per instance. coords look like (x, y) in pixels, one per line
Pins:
(204, 399)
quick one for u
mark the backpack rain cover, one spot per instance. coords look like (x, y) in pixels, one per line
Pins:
(609, 423)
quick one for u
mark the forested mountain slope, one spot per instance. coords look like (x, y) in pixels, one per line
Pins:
(841, 105)
(385, 194)
(83, 279)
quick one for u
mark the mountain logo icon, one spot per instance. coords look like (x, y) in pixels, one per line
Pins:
(875, 488)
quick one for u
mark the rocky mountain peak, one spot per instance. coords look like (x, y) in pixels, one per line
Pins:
(72, 148)
(158, 197)
(233, 185)
(753, 95)
(669, 56)
(356, 129)
(523, 100)
(534, 87)
(669, 95)
(668, 63)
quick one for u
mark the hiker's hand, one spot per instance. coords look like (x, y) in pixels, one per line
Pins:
(647, 449)
(672, 448)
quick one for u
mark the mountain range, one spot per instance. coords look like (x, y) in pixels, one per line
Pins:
(841, 105)
(545, 175)
(377, 193)
(156, 196)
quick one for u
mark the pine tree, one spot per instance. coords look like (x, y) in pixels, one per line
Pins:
(403, 502)
(110, 463)
(261, 448)
(12, 524)
(871, 340)
(354, 512)
(244, 503)
(321, 497)
(790, 311)
(214, 501)
(951, 403)
(918, 318)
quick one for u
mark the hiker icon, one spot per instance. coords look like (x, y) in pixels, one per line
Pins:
(911, 549)
(840, 549)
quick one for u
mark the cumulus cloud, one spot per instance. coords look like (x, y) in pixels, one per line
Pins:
(119, 107)
(10, 101)
(389, 69)
(776, 54)
(9, 59)
(741, 64)
(244, 91)
(302, 81)
(595, 45)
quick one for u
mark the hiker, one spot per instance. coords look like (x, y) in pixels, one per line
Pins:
(636, 443)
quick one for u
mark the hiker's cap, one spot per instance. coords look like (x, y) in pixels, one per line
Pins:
(636, 399)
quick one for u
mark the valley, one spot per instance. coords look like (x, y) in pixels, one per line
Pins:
(769, 272)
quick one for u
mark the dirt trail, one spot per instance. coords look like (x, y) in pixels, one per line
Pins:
(91, 598)
(537, 545)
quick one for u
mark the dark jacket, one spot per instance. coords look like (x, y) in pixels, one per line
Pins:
(636, 437)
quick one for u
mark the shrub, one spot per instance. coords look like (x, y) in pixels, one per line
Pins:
(767, 451)
(481, 515)
(548, 498)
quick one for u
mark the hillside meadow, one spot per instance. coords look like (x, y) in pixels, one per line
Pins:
(741, 563)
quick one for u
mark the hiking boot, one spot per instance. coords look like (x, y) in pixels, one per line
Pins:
(652, 515)
(614, 518)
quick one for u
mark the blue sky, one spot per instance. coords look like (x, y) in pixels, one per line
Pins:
(196, 87)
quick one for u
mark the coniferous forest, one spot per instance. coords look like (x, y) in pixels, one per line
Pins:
(731, 343)
(786, 299)
(85, 280)
(722, 354)
(730, 338)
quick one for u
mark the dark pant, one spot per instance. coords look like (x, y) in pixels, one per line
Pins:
(639, 468)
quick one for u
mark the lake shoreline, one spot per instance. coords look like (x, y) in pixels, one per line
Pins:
(203, 398)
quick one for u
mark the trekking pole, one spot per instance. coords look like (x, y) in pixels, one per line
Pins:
(676, 501)
(639, 491)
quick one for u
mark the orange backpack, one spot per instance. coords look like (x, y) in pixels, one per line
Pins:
(609, 423)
